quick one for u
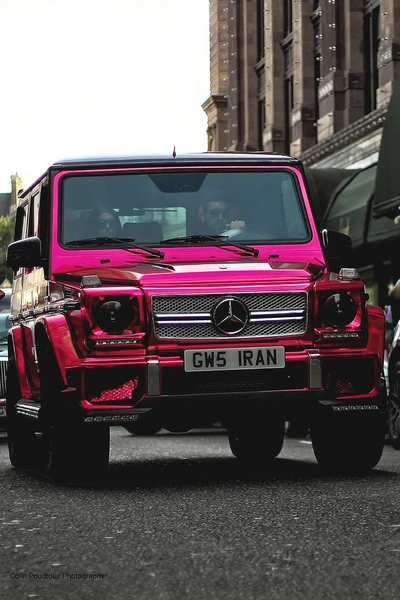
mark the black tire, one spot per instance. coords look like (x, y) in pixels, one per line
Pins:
(348, 443)
(296, 429)
(23, 445)
(393, 408)
(143, 427)
(72, 451)
(257, 441)
(75, 451)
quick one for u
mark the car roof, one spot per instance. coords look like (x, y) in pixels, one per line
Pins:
(153, 160)
(200, 158)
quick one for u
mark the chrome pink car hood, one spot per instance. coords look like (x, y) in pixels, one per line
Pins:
(189, 273)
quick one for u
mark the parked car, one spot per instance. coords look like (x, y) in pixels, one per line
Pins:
(5, 325)
(175, 291)
(392, 365)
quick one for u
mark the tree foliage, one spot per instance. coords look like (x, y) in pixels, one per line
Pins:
(7, 225)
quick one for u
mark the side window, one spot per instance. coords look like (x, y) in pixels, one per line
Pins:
(34, 216)
(21, 223)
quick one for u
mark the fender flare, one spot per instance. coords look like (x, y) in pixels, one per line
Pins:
(54, 331)
(376, 331)
(16, 350)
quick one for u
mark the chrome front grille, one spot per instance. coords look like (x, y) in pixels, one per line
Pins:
(3, 377)
(190, 317)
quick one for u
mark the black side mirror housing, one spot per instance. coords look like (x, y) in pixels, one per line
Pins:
(25, 253)
(338, 249)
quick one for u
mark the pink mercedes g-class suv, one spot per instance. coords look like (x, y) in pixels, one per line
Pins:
(166, 292)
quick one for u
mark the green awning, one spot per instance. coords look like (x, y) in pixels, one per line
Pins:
(349, 210)
(322, 183)
(383, 230)
(387, 187)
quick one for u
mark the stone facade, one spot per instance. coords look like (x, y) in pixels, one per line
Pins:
(311, 78)
(9, 200)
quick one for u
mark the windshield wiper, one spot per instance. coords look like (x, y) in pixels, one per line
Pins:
(218, 240)
(126, 243)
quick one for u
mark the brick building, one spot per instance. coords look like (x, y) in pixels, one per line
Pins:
(311, 78)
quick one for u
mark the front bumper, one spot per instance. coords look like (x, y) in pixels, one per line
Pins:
(110, 390)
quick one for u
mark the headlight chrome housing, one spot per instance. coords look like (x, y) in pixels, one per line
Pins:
(112, 312)
(340, 314)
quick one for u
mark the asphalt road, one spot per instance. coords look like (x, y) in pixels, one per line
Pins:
(179, 518)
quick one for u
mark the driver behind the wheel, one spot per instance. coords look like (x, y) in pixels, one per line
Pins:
(217, 215)
(104, 222)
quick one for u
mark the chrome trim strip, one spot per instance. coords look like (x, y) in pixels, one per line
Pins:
(162, 316)
(153, 377)
(315, 372)
(275, 319)
(187, 322)
(28, 409)
(256, 316)
(283, 313)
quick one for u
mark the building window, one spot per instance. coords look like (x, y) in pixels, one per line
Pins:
(287, 17)
(371, 47)
(260, 30)
(289, 103)
(260, 71)
(316, 21)
(287, 47)
(261, 123)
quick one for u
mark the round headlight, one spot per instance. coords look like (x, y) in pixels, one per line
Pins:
(339, 310)
(113, 316)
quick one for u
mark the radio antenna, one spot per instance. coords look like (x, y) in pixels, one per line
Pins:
(174, 152)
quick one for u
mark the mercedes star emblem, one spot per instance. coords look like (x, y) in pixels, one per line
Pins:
(230, 316)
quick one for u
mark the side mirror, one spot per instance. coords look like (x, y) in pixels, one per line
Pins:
(24, 253)
(338, 249)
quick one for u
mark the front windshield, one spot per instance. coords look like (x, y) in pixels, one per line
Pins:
(260, 206)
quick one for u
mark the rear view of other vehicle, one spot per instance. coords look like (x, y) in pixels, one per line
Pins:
(5, 325)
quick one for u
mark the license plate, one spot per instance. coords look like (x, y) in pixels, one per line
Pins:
(233, 359)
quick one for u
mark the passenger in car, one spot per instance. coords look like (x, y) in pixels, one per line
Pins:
(104, 222)
(217, 215)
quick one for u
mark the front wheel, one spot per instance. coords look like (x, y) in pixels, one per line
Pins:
(23, 445)
(74, 451)
(296, 429)
(257, 441)
(348, 443)
(144, 426)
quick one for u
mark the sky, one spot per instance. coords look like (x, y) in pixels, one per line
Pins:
(95, 77)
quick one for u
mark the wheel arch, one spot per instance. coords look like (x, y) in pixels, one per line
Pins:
(15, 343)
(53, 339)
